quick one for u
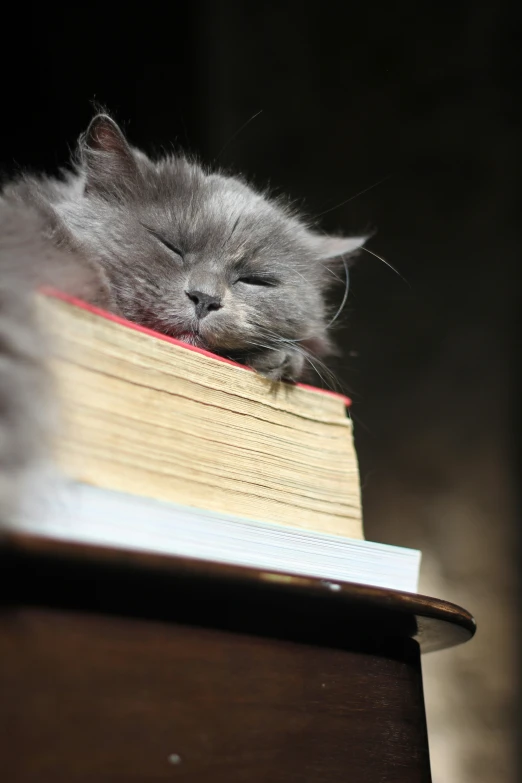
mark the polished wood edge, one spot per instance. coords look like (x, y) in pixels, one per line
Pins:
(459, 624)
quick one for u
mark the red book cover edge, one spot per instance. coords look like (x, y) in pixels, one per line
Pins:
(131, 325)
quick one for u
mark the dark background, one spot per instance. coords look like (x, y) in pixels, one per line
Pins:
(424, 97)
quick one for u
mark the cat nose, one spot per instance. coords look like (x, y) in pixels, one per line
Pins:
(204, 303)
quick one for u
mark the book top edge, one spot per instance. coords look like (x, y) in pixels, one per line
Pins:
(57, 294)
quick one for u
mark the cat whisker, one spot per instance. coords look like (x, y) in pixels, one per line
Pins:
(277, 338)
(269, 332)
(292, 270)
(236, 134)
(387, 264)
(326, 376)
(345, 295)
(331, 272)
(360, 193)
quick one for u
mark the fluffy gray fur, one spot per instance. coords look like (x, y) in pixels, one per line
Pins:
(194, 254)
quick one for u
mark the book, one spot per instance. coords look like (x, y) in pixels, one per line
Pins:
(168, 448)
(86, 514)
(152, 416)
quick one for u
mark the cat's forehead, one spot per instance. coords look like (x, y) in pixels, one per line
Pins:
(215, 210)
(225, 199)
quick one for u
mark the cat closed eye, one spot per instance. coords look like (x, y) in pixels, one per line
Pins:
(165, 242)
(257, 280)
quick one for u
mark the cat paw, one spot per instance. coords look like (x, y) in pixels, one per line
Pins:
(278, 364)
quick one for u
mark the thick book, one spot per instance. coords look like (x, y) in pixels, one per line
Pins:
(152, 416)
(166, 447)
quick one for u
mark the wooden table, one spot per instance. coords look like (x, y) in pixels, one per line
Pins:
(133, 668)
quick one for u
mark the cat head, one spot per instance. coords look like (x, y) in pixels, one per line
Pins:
(199, 255)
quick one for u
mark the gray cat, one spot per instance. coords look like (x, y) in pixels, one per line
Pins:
(193, 254)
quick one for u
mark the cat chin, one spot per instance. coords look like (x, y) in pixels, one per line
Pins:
(191, 338)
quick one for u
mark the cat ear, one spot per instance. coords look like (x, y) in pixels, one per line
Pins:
(328, 247)
(103, 135)
(108, 159)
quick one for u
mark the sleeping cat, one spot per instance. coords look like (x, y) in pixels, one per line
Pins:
(197, 255)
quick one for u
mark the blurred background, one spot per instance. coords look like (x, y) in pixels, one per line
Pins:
(396, 117)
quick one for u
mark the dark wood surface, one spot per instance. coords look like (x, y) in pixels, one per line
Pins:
(126, 667)
(151, 585)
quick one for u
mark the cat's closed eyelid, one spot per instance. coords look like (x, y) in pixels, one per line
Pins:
(243, 273)
(260, 280)
(165, 242)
